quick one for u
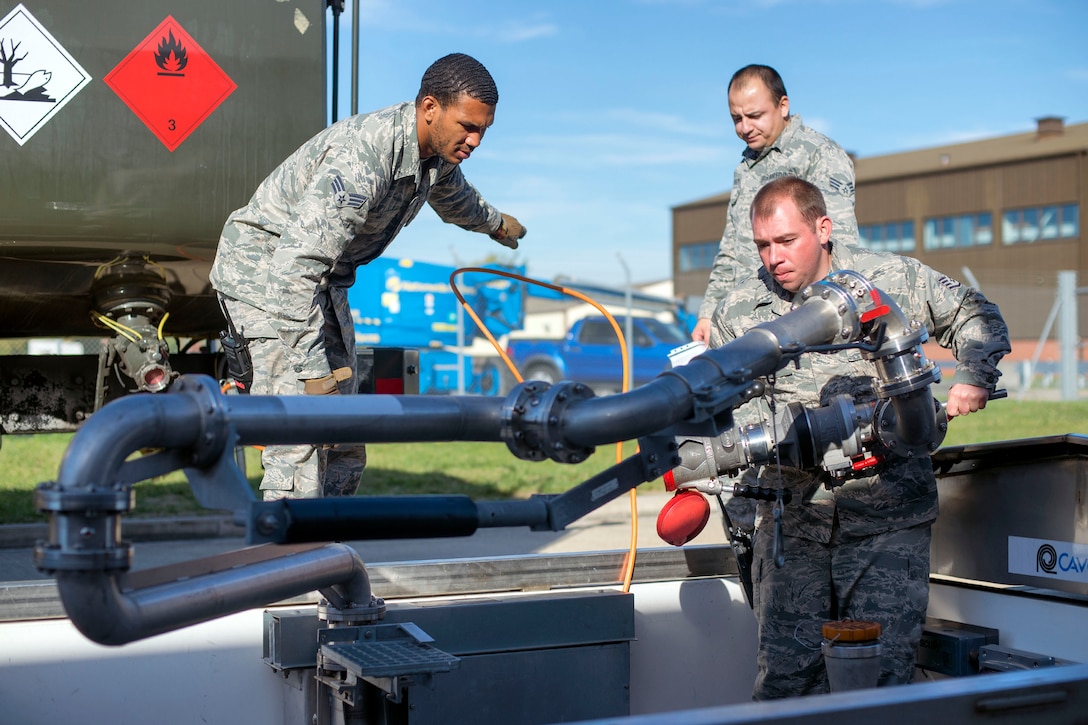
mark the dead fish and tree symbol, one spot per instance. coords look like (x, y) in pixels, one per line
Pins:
(20, 86)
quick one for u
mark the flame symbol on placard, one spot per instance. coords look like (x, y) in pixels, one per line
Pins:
(171, 55)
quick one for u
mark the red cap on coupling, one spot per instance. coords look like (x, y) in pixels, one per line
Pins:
(683, 517)
(669, 480)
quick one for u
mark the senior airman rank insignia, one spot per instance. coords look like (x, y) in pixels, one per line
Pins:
(345, 198)
(842, 186)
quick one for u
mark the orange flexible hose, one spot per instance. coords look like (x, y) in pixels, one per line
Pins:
(629, 560)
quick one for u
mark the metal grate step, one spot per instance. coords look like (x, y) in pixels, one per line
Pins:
(389, 656)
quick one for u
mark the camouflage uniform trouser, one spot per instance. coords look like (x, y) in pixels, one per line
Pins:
(306, 471)
(882, 578)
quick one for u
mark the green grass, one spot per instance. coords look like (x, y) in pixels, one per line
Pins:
(1007, 419)
(483, 471)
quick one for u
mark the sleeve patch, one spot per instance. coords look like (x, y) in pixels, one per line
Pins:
(841, 186)
(948, 282)
(344, 198)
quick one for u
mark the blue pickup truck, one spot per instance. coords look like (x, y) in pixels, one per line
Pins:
(590, 352)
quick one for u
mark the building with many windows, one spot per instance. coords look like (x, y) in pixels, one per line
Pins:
(1003, 214)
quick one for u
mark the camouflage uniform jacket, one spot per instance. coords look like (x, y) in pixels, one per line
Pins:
(799, 151)
(905, 493)
(334, 204)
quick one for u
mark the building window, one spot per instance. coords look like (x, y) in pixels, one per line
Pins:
(1025, 226)
(694, 257)
(952, 232)
(889, 237)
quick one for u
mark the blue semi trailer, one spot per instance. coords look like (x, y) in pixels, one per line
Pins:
(404, 304)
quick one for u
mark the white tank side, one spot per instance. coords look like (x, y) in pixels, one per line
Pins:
(1041, 626)
(695, 645)
(209, 673)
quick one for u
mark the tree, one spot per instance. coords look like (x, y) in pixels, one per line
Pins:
(8, 61)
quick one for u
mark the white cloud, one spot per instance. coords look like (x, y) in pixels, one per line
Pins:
(603, 150)
(818, 123)
(518, 32)
(667, 122)
(576, 236)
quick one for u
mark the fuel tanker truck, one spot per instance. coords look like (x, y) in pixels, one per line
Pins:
(118, 174)
(132, 128)
(297, 628)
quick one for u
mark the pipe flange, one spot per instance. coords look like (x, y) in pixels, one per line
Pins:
(50, 498)
(214, 420)
(373, 612)
(524, 397)
(533, 421)
(50, 558)
(908, 383)
(849, 293)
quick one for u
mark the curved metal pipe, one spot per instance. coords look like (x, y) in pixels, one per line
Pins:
(195, 417)
(130, 424)
(106, 611)
(904, 379)
(672, 396)
(918, 426)
(199, 420)
(201, 426)
(599, 421)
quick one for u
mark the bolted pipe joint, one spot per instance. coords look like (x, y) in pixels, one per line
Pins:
(911, 424)
(533, 418)
(93, 489)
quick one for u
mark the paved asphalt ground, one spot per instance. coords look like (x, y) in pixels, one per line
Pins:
(176, 540)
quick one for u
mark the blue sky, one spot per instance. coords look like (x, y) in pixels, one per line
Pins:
(611, 112)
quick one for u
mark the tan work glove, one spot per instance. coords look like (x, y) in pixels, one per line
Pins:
(326, 385)
(509, 232)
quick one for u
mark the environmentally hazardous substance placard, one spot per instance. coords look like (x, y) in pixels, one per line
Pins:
(37, 75)
(170, 83)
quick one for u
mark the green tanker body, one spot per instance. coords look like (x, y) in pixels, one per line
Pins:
(133, 128)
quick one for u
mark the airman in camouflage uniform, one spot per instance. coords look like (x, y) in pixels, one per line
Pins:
(286, 260)
(860, 550)
(778, 144)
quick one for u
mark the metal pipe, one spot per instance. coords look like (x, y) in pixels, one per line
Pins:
(106, 611)
(355, 13)
(1067, 333)
(292, 419)
(918, 424)
(370, 517)
(672, 396)
(133, 423)
(200, 421)
(200, 427)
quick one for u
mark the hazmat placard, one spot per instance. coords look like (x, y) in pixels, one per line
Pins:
(170, 83)
(38, 77)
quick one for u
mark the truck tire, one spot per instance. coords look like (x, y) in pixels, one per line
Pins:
(495, 379)
(543, 372)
